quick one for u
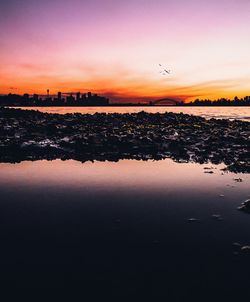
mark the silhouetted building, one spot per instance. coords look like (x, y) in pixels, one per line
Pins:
(70, 99)
(78, 95)
(59, 96)
(26, 96)
(96, 100)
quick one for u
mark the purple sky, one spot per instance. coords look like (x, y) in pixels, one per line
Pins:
(114, 47)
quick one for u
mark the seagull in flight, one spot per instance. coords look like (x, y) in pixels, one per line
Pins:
(164, 71)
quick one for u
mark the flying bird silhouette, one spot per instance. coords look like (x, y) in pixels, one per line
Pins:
(164, 71)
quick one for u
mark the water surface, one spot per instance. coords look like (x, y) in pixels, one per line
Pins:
(241, 113)
(121, 229)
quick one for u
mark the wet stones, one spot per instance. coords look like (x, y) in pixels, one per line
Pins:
(240, 249)
(116, 136)
(245, 206)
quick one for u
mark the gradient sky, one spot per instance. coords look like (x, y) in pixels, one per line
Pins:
(113, 47)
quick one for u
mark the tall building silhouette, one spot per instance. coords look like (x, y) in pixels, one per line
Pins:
(78, 95)
(59, 96)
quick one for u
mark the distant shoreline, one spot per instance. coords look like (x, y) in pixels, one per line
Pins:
(78, 99)
(123, 105)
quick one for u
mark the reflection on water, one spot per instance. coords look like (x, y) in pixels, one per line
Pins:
(122, 228)
(241, 113)
(125, 174)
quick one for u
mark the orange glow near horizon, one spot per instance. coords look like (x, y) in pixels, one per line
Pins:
(132, 91)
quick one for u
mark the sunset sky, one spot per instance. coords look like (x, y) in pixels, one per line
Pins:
(114, 47)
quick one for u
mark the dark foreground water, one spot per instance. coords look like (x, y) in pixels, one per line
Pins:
(101, 230)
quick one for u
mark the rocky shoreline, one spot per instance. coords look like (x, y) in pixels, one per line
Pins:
(32, 135)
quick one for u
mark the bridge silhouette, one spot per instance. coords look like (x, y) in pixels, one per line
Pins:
(165, 102)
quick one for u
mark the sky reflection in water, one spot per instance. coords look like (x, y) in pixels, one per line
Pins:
(123, 227)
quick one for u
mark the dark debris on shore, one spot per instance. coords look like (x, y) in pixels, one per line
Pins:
(32, 135)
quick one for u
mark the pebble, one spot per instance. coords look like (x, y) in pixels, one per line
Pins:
(193, 220)
(245, 249)
(245, 206)
(217, 217)
(238, 179)
(236, 244)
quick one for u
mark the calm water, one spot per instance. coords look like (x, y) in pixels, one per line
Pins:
(120, 229)
(241, 113)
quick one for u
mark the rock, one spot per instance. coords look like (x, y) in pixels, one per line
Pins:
(245, 206)
(193, 220)
(238, 179)
(236, 244)
(216, 217)
(245, 249)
